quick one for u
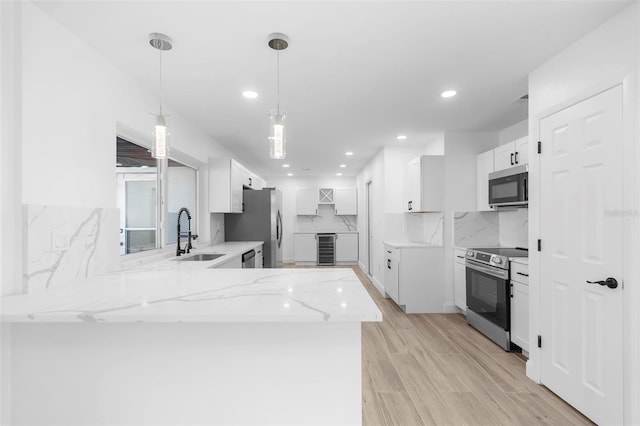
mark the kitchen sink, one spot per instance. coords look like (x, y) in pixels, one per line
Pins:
(200, 257)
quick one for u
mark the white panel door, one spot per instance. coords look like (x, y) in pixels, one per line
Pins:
(581, 231)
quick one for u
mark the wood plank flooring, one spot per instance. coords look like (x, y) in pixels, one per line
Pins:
(434, 369)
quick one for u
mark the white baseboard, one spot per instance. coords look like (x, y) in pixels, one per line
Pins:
(377, 284)
(451, 308)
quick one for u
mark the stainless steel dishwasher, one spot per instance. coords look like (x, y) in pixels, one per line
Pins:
(249, 259)
(326, 249)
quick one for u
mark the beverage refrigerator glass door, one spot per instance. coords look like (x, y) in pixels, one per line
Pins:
(509, 187)
(488, 293)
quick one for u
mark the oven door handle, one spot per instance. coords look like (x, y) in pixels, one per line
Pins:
(494, 272)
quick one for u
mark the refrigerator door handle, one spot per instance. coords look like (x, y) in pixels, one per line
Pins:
(279, 228)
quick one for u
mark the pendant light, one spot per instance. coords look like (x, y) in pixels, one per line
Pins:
(277, 139)
(160, 149)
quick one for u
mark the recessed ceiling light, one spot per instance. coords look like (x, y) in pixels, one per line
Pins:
(448, 93)
(289, 174)
(401, 137)
(338, 174)
(286, 166)
(343, 166)
(250, 94)
(349, 153)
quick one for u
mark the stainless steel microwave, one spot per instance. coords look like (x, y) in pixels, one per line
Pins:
(509, 187)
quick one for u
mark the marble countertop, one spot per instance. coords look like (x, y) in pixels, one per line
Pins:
(326, 232)
(174, 292)
(409, 244)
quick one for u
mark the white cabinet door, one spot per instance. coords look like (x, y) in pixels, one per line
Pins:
(522, 151)
(307, 202)
(412, 201)
(392, 278)
(237, 175)
(485, 166)
(520, 315)
(225, 186)
(423, 190)
(504, 156)
(259, 257)
(305, 248)
(460, 279)
(346, 247)
(235, 263)
(346, 201)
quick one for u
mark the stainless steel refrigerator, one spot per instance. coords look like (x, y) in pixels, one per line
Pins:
(260, 221)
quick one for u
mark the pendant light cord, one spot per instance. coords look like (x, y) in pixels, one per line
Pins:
(160, 50)
(278, 82)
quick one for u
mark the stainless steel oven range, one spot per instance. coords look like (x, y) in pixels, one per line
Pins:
(488, 291)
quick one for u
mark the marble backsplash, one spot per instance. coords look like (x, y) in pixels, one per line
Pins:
(67, 244)
(514, 228)
(476, 229)
(507, 228)
(326, 221)
(415, 227)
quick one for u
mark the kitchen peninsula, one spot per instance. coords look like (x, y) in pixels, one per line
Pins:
(182, 343)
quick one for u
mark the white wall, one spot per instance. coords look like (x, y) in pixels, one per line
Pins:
(289, 187)
(514, 132)
(373, 172)
(606, 56)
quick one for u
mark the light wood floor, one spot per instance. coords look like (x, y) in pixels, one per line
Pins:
(434, 369)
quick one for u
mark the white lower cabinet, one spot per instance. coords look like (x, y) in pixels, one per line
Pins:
(520, 305)
(236, 262)
(414, 276)
(259, 257)
(305, 248)
(460, 279)
(347, 247)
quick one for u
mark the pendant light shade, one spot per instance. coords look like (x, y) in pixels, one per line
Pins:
(277, 147)
(160, 149)
(277, 131)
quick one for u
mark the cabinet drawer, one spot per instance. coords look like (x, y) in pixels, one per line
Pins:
(391, 252)
(459, 255)
(520, 273)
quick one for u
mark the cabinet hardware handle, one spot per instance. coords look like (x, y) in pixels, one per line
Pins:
(512, 159)
(250, 182)
(389, 263)
(520, 273)
(462, 257)
(516, 157)
(388, 251)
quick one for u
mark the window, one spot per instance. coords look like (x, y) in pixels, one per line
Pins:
(140, 198)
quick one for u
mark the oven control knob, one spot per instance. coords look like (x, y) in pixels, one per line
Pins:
(470, 253)
(497, 260)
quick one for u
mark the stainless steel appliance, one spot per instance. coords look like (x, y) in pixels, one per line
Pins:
(261, 221)
(249, 259)
(509, 187)
(488, 291)
(326, 249)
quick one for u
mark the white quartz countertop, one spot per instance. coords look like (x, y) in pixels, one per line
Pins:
(522, 260)
(410, 244)
(326, 232)
(170, 291)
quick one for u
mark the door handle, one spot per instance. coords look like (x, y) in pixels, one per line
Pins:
(512, 159)
(609, 282)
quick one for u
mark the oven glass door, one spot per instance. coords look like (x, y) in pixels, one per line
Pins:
(508, 189)
(488, 294)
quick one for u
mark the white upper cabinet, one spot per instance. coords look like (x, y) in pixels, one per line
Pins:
(346, 201)
(511, 154)
(307, 202)
(485, 166)
(227, 178)
(423, 184)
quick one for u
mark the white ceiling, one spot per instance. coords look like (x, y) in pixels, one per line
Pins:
(356, 74)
